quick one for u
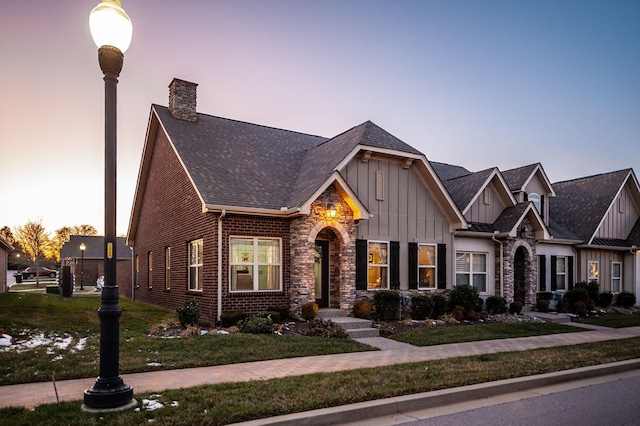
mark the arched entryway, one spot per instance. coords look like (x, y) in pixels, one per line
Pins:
(519, 275)
(327, 269)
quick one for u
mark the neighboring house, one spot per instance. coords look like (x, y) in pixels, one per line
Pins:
(5, 248)
(93, 265)
(242, 216)
(603, 212)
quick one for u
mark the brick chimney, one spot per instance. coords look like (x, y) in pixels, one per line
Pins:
(182, 100)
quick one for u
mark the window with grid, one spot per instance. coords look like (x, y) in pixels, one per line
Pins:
(378, 276)
(427, 266)
(616, 276)
(255, 264)
(195, 265)
(471, 268)
(561, 273)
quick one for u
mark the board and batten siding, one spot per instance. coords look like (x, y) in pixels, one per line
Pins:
(604, 259)
(620, 218)
(406, 213)
(486, 210)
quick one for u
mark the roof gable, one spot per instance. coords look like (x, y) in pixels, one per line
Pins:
(466, 189)
(519, 177)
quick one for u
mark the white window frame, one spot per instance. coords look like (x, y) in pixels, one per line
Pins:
(536, 200)
(471, 272)
(150, 269)
(196, 266)
(371, 265)
(255, 264)
(590, 270)
(616, 288)
(433, 267)
(561, 276)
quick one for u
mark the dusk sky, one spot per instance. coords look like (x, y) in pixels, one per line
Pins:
(476, 83)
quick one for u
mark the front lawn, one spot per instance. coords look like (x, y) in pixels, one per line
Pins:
(613, 320)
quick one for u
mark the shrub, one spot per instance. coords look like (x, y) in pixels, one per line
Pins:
(578, 294)
(592, 287)
(188, 313)
(605, 299)
(231, 318)
(515, 308)
(362, 309)
(544, 295)
(542, 305)
(309, 310)
(439, 306)
(258, 325)
(580, 308)
(496, 305)
(282, 310)
(387, 304)
(324, 328)
(275, 315)
(626, 299)
(467, 296)
(421, 306)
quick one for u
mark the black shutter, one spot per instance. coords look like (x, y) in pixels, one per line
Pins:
(413, 266)
(362, 263)
(442, 266)
(554, 278)
(542, 273)
(570, 271)
(394, 264)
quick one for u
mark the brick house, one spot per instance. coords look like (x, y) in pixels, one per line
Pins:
(5, 248)
(71, 255)
(242, 216)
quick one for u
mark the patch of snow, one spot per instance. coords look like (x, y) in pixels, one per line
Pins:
(5, 340)
(82, 343)
(154, 364)
(223, 332)
(175, 404)
(203, 332)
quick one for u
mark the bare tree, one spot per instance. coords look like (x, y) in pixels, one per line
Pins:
(35, 242)
(63, 235)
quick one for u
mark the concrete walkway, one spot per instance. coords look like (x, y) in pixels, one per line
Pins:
(32, 394)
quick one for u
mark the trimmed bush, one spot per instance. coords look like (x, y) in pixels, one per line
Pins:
(496, 305)
(362, 309)
(258, 325)
(515, 308)
(592, 287)
(282, 310)
(542, 305)
(188, 313)
(626, 299)
(544, 295)
(467, 296)
(439, 306)
(309, 310)
(275, 315)
(421, 306)
(580, 308)
(325, 328)
(605, 299)
(458, 313)
(232, 318)
(387, 304)
(578, 294)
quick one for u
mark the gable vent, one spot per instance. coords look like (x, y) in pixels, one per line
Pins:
(379, 185)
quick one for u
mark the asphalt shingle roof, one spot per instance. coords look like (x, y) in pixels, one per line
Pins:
(510, 217)
(464, 188)
(94, 247)
(448, 171)
(580, 204)
(516, 178)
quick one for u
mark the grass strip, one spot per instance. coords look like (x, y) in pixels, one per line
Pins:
(613, 320)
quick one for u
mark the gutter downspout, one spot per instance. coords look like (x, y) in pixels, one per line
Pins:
(494, 239)
(133, 274)
(220, 218)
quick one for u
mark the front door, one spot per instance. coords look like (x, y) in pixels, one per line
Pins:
(322, 273)
(519, 284)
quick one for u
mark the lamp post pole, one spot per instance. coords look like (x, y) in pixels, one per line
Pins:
(82, 249)
(109, 392)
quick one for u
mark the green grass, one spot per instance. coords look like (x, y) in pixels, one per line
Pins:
(444, 335)
(234, 402)
(614, 320)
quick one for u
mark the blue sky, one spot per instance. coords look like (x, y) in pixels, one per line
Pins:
(473, 83)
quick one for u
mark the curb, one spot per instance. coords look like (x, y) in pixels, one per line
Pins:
(403, 404)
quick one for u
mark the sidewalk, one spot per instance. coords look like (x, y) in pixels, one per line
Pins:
(30, 395)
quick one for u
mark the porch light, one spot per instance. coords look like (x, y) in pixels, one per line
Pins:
(331, 211)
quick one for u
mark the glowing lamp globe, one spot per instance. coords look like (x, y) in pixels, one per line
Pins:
(110, 25)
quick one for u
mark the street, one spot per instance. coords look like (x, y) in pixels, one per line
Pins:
(607, 400)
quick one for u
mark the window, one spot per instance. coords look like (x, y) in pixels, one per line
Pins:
(427, 266)
(535, 199)
(195, 265)
(255, 264)
(167, 268)
(561, 273)
(593, 270)
(471, 268)
(137, 270)
(150, 274)
(616, 276)
(378, 265)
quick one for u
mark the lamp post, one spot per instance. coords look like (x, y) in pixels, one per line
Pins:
(82, 249)
(111, 31)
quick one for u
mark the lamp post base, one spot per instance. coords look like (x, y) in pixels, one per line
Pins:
(108, 395)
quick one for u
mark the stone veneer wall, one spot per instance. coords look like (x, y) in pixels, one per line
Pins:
(303, 233)
(530, 266)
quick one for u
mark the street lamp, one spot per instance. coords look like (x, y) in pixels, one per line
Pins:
(111, 31)
(82, 249)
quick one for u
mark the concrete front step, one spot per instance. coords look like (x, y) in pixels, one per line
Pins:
(550, 317)
(356, 328)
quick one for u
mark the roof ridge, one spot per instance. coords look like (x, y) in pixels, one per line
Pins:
(593, 176)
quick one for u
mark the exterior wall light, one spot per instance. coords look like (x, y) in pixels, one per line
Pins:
(331, 211)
